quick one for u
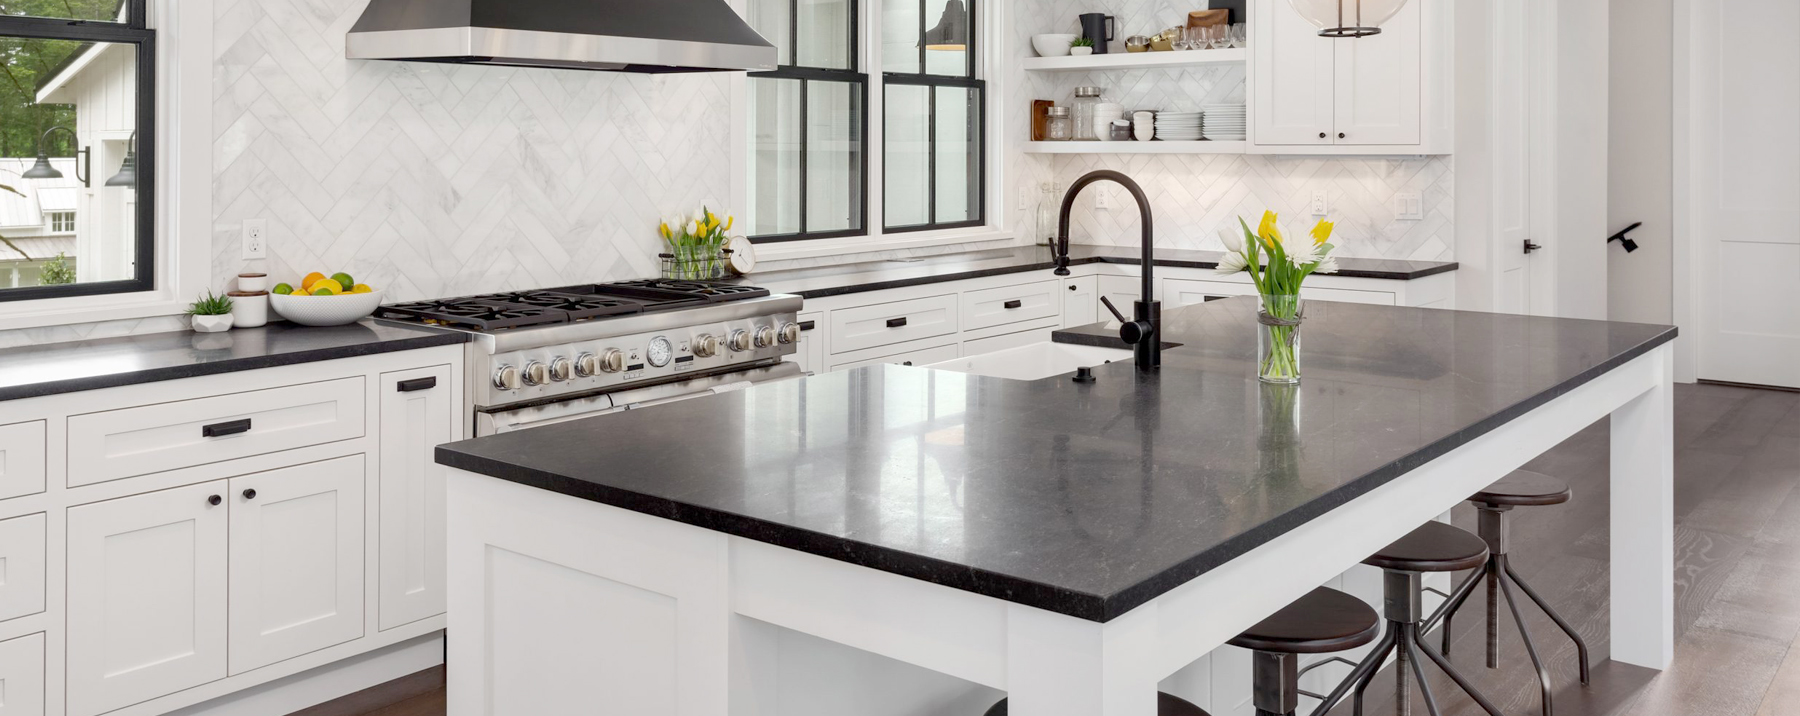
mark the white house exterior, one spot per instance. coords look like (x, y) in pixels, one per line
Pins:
(38, 219)
(101, 82)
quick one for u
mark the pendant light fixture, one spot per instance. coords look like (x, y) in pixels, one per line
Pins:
(952, 30)
(1347, 18)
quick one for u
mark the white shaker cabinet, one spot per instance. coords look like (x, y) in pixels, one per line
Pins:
(1293, 86)
(416, 417)
(22, 676)
(296, 565)
(1386, 93)
(1378, 83)
(1081, 301)
(147, 613)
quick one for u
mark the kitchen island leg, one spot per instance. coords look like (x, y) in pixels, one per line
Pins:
(1643, 522)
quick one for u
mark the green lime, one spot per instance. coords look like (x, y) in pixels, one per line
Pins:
(323, 291)
(343, 279)
(283, 289)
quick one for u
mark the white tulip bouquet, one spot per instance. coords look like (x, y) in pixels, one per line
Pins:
(1277, 266)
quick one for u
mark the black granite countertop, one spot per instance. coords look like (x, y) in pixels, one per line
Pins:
(1083, 499)
(52, 368)
(878, 275)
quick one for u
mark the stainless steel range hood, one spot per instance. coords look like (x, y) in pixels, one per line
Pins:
(615, 35)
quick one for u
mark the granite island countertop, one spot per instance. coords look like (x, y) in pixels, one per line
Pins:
(53, 368)
(1082, 499)
(842, 279)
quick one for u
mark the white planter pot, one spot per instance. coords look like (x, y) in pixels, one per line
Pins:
(211, 324)
(1081, 51)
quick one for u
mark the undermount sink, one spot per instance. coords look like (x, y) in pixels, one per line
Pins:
(1034, 361)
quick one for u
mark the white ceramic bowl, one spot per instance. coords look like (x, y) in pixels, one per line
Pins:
(1052, 45)
(326, 310)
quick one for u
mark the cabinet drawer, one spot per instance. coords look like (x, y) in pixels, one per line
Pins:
(21, 568)
(1006, 341)
(907, 356)
(883, 324)
(22, 675)
(1010, 304)
(153, 438)
(21, 459)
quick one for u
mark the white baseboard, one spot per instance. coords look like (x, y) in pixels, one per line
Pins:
(317, 686)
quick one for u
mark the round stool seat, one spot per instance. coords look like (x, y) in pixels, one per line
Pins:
(1325, 620)
(1433, 547)
(1524, 488)
(1166, 705)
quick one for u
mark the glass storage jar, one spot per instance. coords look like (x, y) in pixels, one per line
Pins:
(1058, 128)
(1083, 115)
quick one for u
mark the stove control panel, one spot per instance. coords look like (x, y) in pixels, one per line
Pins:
(609, 363)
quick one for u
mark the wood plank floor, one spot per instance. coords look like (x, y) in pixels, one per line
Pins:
(1737, 589)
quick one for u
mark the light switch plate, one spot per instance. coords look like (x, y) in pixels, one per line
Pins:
(1408, 206)
(256, 239)
(1321, 203)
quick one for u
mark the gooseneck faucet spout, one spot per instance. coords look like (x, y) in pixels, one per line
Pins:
(1144, 331)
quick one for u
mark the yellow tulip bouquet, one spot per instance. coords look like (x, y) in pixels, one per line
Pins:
(696, 246)
(1278, 265)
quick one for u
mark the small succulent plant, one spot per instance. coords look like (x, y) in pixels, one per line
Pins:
(1082, 42)
(210, 305)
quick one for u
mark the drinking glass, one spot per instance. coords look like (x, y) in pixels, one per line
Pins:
(1221, 38)
(1240, 35)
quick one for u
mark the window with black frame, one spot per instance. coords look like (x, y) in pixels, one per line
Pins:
(77, 156)
(933, 168)
(808, 179)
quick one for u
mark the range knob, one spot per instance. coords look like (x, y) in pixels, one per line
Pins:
(740, 340)
(706, 345)
(765, 336)
(536, 373)
(561, 369)
(506, 377)
(790, 333)
(587, 364)
(613, 360)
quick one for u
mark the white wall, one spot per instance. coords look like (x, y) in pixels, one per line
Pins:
(1640, 161)
(1580, 165)
(1474, 159)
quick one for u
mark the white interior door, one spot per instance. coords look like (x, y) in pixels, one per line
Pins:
(1510, 107)
(1292, 95)
(1378, 83)
(146, 596)
(1746, 227)
(296, 561)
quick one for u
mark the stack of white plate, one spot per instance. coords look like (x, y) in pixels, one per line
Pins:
(1225, 122)
(1178, 126)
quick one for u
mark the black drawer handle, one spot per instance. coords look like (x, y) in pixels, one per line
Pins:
(250, 494)
(897, 322)
(1015, 303)
(808, 325)
(219, 430)
(425, 383)
(906, 363)
(214, 500)
(1071, 288)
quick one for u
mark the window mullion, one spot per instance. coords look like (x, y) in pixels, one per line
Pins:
(805, 127)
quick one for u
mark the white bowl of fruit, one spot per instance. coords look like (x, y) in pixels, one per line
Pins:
(322, 300)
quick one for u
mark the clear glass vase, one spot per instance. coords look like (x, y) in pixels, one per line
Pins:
(1278, 338)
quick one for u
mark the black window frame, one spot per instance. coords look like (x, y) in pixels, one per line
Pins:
(134, 31)
(969, 80)
(788, 69)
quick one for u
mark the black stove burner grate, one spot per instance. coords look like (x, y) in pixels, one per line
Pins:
(467, 313)
(520, 309)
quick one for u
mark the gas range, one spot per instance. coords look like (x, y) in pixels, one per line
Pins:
(548, 355)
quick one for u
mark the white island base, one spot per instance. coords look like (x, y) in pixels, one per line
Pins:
(559, 605)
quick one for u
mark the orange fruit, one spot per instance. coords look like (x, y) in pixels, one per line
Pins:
(311, 278)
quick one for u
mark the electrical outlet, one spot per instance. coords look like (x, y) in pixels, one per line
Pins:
(1321, 204)
(256, 239)
(1022, 196)
(1103, 200)
(1408, 206)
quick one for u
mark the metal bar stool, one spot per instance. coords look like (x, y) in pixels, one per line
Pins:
(1323, 621)
(1433, 547)
(1166, 705)
(1493, 507)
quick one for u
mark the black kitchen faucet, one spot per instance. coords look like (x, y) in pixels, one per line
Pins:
(1144, 331)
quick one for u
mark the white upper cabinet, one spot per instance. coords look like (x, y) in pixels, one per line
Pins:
(1383, 94)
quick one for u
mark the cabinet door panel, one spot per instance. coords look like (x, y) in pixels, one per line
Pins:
(146, 596)
(1293, 79)
(22, 676)
(21, 567)
(1378, 83)
(413, 424)
(296, 561)
(810, 353)
(1081, 301)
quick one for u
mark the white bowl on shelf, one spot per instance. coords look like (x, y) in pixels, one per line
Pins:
(339, 310)
(1052, 45)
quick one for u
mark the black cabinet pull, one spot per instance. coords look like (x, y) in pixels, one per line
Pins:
(250, 494)
(808, 325)
(1071, 288)
(219, 430)
(1321, 135)
(214, 500)
(906, 363)
(1015, 303)
(1340, 135)
(897, 322)
(425, 383)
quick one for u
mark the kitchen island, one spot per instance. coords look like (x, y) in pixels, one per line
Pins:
(1070, 544)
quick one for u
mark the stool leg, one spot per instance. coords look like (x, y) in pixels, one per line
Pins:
(1275, 683)
(1537, 662)
(1389, 642)
(1368, 666)
(1410, 648)
(1493, 615)
(1455, 602)
(1580, 645)
(1403, 694)
(1457, 677)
